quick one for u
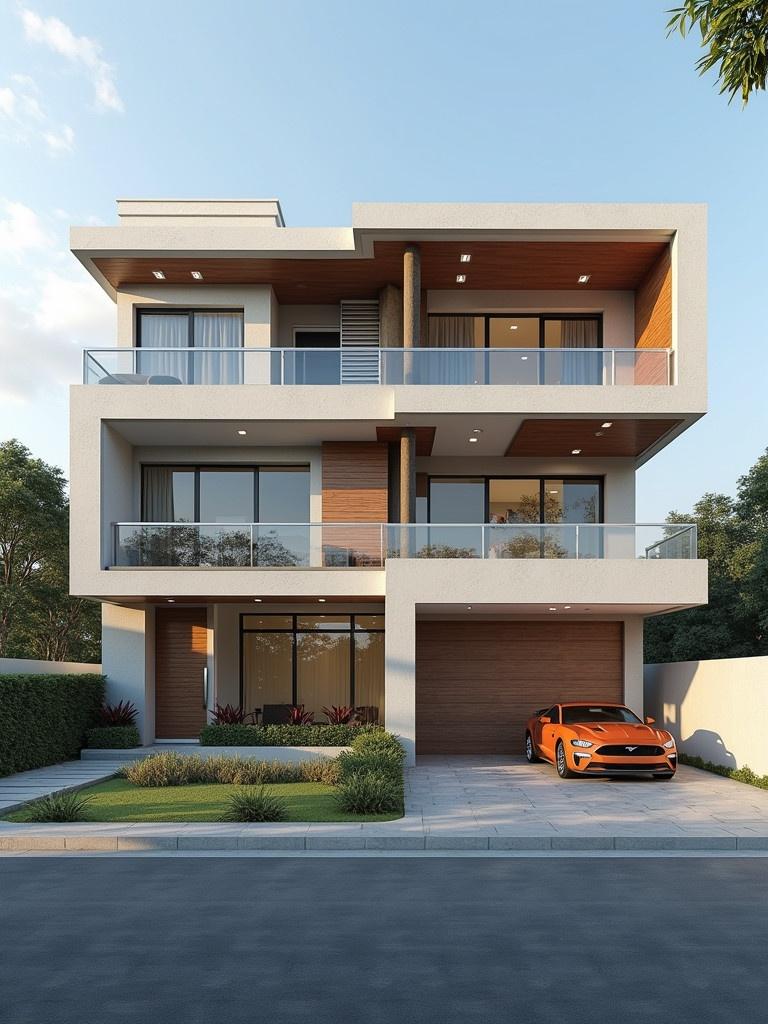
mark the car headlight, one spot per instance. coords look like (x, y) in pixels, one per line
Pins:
(669, 743)
(581, 743)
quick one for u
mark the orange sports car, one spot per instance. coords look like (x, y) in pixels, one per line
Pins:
(599, 739)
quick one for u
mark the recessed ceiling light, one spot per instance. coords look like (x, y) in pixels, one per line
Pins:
(197, 275)
(584, 278)
(171, 600)
(598, 433)
(473, 440)
(159, 275)
(257, 600)
(576, 451)
(477, 430)
(469, 607)
(608, 423)
(465, 257)
(242, 433)
(321, 600)
(513, 327)
(461, 278)
(523, 358)
(566, 606)
(553, 609)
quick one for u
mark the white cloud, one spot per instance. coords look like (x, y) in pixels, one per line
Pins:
(21, 109)
(60, 141)
(21, 230)
(79, 50)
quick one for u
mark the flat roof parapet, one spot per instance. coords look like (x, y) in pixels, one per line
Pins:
(200, 212)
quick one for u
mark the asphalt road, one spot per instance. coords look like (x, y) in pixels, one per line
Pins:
(357, 940)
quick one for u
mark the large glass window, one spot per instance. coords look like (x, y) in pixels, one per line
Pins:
(312, 362)
(226, 496)
(212, 494)
(455, 500)
(315, 660)
(199, 333)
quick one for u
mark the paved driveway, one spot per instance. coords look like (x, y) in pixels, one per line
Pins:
(508, 796)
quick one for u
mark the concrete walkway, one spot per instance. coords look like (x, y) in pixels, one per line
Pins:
(23, 786)
(454, 803)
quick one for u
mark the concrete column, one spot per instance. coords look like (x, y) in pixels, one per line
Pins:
(128, 657)
(411, 296)
(408, 475)
(400, 667)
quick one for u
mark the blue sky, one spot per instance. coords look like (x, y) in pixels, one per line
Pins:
(325, 104)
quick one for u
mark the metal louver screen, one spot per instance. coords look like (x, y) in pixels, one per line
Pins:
(360, 341)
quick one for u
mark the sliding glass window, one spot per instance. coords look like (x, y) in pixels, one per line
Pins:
(233, 502)
(315, 660)
(199, 333)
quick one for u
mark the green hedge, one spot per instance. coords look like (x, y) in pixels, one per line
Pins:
(744, 774)
(112, 737)
(283, 735)
(43, 718)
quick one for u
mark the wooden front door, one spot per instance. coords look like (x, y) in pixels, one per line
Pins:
(181, 653)
(478, 682)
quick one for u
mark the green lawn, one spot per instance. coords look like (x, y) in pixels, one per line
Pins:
(118, 800)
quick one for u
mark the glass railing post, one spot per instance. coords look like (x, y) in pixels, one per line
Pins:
(577, 541)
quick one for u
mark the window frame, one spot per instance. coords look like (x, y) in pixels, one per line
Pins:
(197, 468)
(486, 480)
(189, 312)
(541, 317)
(351, 631)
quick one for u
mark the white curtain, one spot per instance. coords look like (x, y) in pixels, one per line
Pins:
(164, 330)
(158, 495)
(218, 330)
(580, 367)
(450, 332)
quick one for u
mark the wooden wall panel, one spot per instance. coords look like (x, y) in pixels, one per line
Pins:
(355, 476)
(181, 652)
(653, 306)
(477, 683)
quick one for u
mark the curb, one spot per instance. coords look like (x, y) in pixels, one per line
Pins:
(138, 843)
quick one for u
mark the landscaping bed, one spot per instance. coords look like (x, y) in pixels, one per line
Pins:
(364, 783)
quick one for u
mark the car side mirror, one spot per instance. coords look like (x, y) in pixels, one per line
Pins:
(649, 720)
(545, 719)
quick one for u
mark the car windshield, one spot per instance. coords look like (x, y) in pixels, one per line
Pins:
(597, 713)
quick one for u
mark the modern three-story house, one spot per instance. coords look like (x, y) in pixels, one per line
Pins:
(390, 466)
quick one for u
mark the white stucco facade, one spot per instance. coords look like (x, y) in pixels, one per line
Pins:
(116, 430)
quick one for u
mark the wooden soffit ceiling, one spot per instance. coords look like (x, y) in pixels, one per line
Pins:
(494, 266)
(425, 437)
(625, 438)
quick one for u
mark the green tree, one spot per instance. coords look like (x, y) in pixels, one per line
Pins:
(734, 36)
(38, 618)
(733, 536)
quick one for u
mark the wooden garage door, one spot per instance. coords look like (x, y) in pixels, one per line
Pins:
(181, 651)
(478, 682)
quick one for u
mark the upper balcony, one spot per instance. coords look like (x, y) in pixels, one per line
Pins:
(371, 365)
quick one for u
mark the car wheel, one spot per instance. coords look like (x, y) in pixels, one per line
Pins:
(530, 751)
(561, 764)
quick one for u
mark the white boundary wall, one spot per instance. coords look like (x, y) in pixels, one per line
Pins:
(716, 709)
(11, 666)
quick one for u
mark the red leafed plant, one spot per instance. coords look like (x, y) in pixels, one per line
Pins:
(298, 716)
(230, 714)
(123, 713)
(342, 715)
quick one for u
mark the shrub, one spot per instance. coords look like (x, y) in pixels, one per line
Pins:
(112, 737)
(744, 774)
(230, 714)
(58, 807)
(164, 769)
(43, 718)
(283, 735)
(369, 793)
(298, 716)
(382, 762)
(171, 769)
(339, 716)
(255, 805)
(378, 740)
(123, 713)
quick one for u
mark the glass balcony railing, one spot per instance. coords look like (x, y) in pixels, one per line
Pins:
(369, 545)
(392, 366)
